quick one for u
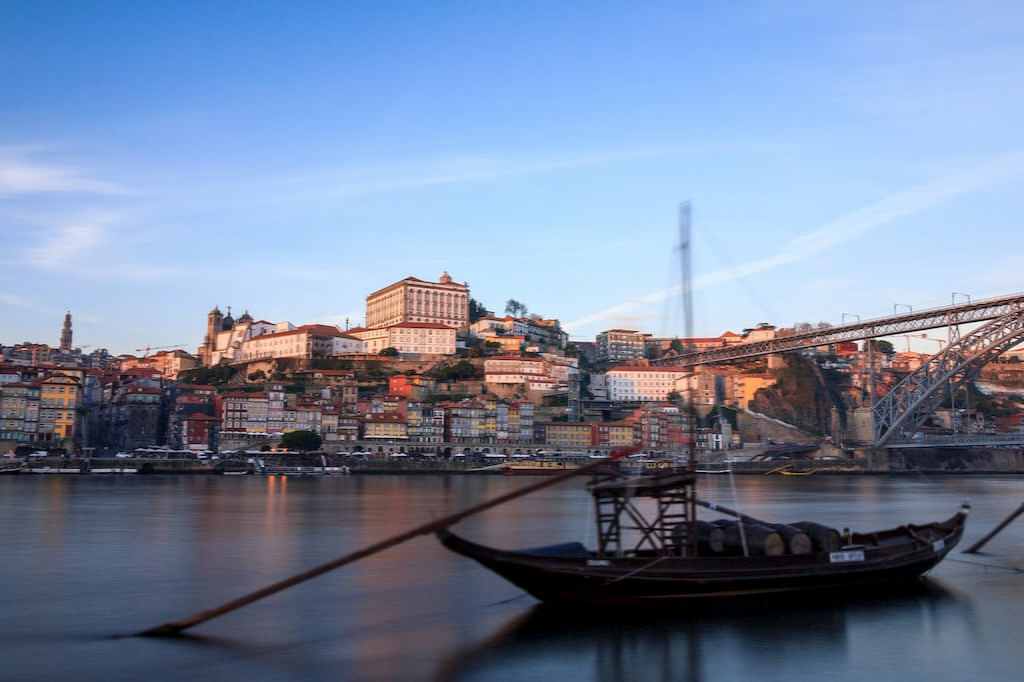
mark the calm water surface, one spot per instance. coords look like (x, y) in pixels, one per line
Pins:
(88, 560)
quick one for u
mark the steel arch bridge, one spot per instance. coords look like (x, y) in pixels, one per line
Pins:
(894, 325)
(906, 407)
(909, 403)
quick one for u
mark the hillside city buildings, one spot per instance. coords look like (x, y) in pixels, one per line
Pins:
(420, 374)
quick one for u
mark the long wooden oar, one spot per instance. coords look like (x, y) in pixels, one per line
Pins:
(176, 626)
(992, 533)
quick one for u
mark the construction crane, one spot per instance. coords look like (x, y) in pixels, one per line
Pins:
(145, 351)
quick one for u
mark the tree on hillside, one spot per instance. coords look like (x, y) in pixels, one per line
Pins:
(390, 352)
(575, 351)
(515, 308)
(880, 346)
(303, 441)
(214, 376)
(463, 369)
(476, 310)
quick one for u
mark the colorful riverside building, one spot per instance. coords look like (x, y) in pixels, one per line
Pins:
(19, 411)
(59, 398)
(574, 435)
(200, 432)
(615, 434)
(44, 411)
(387, 426)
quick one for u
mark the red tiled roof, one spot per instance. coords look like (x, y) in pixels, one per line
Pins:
(315, 329)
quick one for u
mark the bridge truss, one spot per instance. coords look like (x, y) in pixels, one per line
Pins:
(948, 316)
(909, 403)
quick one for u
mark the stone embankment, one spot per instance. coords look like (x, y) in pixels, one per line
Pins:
(755, 461)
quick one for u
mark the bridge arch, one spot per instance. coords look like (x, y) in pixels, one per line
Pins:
(909, 403)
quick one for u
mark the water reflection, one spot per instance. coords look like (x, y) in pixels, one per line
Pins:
(88, 557)
(767, 641)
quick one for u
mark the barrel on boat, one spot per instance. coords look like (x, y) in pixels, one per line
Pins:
(823, 538)
(797, 541)
(760, 539)
(710, 538)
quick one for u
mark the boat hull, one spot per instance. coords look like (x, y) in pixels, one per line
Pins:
(585, 577)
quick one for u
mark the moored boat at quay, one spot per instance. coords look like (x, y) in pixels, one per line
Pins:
(555, 464)
(543, 465)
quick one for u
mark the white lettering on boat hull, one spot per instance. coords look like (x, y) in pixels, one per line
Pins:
(845, 557)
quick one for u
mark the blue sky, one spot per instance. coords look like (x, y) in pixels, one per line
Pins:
(288, 158)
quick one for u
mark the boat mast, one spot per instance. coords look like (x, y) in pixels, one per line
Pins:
(689, 493)
(687, 302)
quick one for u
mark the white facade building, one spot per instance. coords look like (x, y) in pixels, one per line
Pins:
(643, 384)
(409, 337)
(307, 341)
(348, 344)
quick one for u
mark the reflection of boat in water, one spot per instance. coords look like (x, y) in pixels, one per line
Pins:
(691, 644)
(670, 556)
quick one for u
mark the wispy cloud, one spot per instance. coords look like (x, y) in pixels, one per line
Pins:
(475, 168)
(846, 228)
(68, 222)
(378, 177)
(17, 301)
(20, 175)
(67, 244)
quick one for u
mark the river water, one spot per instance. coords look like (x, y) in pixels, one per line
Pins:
(88, 560)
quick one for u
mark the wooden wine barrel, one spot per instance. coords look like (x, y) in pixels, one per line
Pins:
(761, 540)
(710, 538)
(823, 538)
(797, 540)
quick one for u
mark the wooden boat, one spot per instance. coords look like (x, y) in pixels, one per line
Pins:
(788, 470)
(673, 557)
(542, 466)
(669, 556)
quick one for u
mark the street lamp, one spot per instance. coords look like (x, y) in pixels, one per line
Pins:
(957, 293)
(894, 305)
(851, 315)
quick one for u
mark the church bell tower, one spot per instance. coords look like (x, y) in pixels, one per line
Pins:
(65, 334)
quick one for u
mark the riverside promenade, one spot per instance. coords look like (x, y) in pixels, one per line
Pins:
(738, 462)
